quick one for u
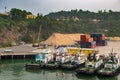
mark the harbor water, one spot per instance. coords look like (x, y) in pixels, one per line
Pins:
(15, 70)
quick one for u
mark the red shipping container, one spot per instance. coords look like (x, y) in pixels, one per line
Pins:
(84, 38)
(88, 36)
(102, 38)
(95, 38)
(90, 40)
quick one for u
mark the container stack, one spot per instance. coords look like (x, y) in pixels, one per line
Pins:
(87, 41)
(100, 39)
(92, 40)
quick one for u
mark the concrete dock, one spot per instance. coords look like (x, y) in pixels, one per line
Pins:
(27, 51)
(22, 51)
(112, 45)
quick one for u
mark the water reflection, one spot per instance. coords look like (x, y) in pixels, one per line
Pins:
(1, 66)
(108, 78)
(65, 75)
(55, 74)
(15, 70)
(87, 77)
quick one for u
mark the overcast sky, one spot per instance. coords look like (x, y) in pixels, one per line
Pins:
(47, 6)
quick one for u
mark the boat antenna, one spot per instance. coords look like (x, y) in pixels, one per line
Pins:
(112, 50)
(5, 9)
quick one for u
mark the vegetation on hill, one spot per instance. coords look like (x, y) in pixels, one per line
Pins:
(15, 27)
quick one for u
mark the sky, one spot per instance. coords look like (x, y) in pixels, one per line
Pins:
(46, 6)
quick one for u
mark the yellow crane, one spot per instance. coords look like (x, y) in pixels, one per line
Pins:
(36, 43)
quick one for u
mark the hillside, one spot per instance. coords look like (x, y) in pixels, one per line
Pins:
(20, 25)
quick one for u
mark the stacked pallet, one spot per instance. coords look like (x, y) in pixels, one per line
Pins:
(100, 39)
(87, 41)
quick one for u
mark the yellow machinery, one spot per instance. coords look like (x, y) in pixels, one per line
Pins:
(35, 44)
(86, 51)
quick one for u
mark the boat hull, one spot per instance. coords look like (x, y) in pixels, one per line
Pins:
(112, 73)
(33, 66)
(52, 66)
(89, 71)
(71, 66)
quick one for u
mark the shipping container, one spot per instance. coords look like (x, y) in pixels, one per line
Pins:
(91, 44)
(84, 37)
(90, 40)
(103, 43)
(100, 39)
(97, 34)
(83, 45)
(88, 44)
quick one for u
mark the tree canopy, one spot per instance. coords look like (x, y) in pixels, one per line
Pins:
(20, 28)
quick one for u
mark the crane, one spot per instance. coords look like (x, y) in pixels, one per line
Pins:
(36, 43)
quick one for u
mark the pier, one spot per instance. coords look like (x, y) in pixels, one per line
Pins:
(18, 52)
(20, 55)
(27, 51)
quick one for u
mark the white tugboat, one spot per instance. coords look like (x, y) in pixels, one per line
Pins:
(41, 60)
(111, 67)
(62, 55)
(92, 64)
(76, 61)
(79, 58)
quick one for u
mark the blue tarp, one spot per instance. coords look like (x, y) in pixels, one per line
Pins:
(43, 56)
(37, 56)
(40, 56)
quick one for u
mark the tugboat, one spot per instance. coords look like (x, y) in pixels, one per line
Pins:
(76, 61)
(79, 59)
(59, 57)
(111, 67)
(41, 60)
(52, 64)
(92, 64)
(62, 55)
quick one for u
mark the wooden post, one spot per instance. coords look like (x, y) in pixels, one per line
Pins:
(12, 57)
(24, 56)
(5, 56)
(0, 56)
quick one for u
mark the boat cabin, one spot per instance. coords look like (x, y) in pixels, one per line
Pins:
(94, 60)
(79, 58)
(62, 55)
(45, 56)
(112, 61)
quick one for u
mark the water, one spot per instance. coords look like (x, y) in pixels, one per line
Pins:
(15, 70)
